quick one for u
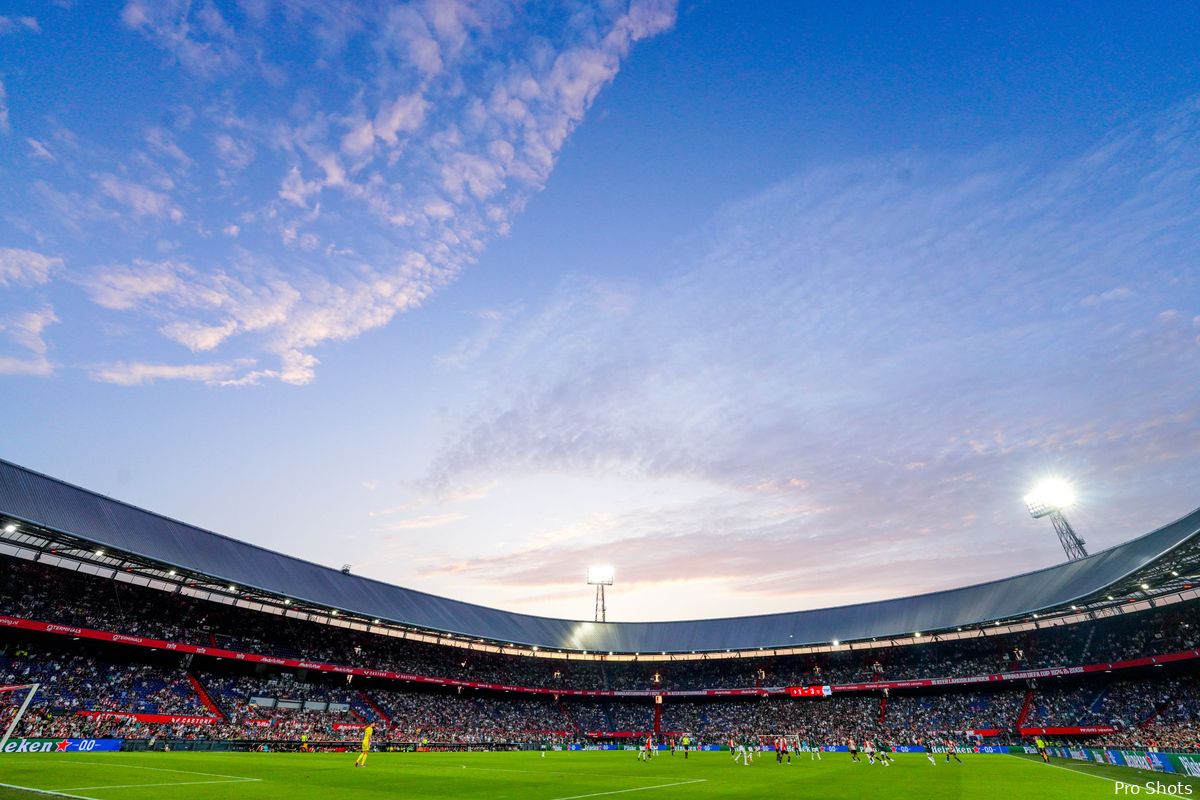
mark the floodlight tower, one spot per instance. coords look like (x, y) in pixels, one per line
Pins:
(1048, 499)
(600, 577)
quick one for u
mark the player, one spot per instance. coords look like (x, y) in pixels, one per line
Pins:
(814, 750)
(1040, 743)
(304, 743)
(687, 745)
(869, 749)
(787, 752)
(646, 752)
(885, 753)
(928, 751)
(950, 751)
(852, 746)
(368, 731)
(733, 748)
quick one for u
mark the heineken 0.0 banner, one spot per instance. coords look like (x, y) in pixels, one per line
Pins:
(62, 745)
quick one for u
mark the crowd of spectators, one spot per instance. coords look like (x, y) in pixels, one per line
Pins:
(82, 683)
(51, 594)
(114, 680)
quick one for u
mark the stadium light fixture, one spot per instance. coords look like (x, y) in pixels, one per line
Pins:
(1051, 498)
(917, 634)
(232, 588)
(1052, 494)
(10, 528)
(1145, 586)
(287, 601)
(171, 573)
(836, 642)
(600, 576)
(99, 553)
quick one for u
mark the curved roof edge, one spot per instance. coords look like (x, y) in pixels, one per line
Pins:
(41, 500)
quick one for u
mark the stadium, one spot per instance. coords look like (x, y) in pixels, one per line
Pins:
(589, 399)
(144, 635)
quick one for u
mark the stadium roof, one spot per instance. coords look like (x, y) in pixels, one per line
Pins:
(80, 515)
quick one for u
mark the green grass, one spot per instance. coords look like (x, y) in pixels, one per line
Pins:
(528, 776)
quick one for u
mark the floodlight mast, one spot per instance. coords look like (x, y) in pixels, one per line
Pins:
(600, 577)
(1049, 500)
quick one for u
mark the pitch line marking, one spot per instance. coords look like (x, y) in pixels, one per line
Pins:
(1079, 771)
(140, 785)
(638, 789)
(156, 769)
(45, 791)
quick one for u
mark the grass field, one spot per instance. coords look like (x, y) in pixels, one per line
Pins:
(558, 776)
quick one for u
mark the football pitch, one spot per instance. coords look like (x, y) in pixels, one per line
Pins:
(558, 776)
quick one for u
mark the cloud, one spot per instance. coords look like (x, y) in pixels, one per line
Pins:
(5, 125)
(142, 200)
(195, 35)
(345, 197)
(140, 373)
(163, 143)
(25, 267)
(26, 329)
(420, 523)
(18, 25)
(1110, 296)
(126, 287)
(233, 152)
(871, 358)
(38, 367)
(39, 150)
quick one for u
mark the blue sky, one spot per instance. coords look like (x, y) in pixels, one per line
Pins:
(769, 305)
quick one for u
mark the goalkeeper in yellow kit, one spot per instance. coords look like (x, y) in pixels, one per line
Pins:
(361, 761)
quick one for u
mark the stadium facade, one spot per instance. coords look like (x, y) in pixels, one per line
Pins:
(56, 522)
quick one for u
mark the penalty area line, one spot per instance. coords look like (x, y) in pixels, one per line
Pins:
(45, 791)
(172, 783)
(113, 765)
(638, 789)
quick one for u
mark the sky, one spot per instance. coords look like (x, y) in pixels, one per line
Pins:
(770, 306)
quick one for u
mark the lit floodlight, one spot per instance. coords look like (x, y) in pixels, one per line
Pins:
(600, 576)
(1051, 498)
(1052, 494)
(10, 528)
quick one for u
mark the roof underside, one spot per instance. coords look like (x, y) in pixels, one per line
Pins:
(58, 506)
